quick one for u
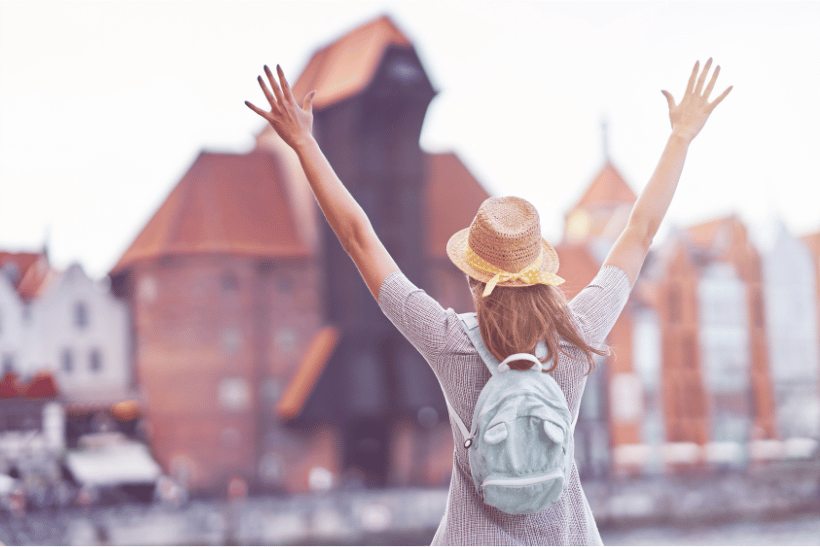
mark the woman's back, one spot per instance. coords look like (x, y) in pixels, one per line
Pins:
(440, 338)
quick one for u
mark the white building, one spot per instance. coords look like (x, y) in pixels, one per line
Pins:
(794, 349)
(79, 331)
(71, 326)
(723, 315)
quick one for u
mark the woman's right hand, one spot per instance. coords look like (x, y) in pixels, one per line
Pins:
(291, 122)
(690, 115)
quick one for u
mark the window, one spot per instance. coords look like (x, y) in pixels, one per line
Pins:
(80, 315)
(67, 361)
(757, 310)
(688, 351)
(229, 282)
(285, 339)
(284, 283)
(8, 363)
(674, 304)
(234, 394)
(95, 361)
(231, 340)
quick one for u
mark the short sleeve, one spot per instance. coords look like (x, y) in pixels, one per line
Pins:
(418, 316)
(598, 305)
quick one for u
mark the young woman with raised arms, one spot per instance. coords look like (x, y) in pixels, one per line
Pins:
(512, 272)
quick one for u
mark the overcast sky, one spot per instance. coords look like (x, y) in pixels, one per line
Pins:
(105, 105)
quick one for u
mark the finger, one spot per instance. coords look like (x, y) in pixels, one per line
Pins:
(711, 83)
(274, 86)
(256, 109)
(669, 99)
(266, 91)
(286, 92)
(703, 76)
(691, 85)
(722, 96)
(308, 104)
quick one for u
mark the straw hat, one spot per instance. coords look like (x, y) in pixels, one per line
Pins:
(503, 246)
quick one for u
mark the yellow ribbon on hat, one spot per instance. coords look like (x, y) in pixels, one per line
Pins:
(530, 274)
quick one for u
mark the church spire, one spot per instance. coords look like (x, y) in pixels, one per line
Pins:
(605, 138)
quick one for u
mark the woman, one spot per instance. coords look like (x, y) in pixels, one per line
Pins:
(512, 273)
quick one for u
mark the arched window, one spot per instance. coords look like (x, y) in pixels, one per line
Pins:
(95, 361)
(674, 304)
(80, 315)
(67, 361)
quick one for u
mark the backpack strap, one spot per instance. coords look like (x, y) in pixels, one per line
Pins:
(470, 322)
(465, 433)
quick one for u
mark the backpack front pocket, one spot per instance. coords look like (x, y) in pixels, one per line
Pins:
(523, 495)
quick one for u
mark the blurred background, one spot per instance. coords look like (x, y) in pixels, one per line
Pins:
(188, 356)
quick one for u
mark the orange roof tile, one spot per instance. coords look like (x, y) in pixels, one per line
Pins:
(307, 373)
(33, 272)
(607, 189)
(453, 196)
(225, 203)
(705, 234)
(345, 67)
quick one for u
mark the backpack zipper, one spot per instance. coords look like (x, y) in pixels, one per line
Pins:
(527, 481)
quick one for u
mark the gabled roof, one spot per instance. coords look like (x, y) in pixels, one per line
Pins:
(453, 196)
(714, 232)
(32, 272)
(608, 189)
(346, 67)
(225, 204)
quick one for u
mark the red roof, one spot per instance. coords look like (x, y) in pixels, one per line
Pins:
(607, 189)
(346, 67)
(225, 204)
(705, 235)
(453, 196)
(32, 272)
(41, 386)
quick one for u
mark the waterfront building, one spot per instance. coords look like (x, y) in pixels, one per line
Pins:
(733, 337)
(790, 286)
(259, 350)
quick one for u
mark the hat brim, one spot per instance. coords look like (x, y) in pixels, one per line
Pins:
(456, 251)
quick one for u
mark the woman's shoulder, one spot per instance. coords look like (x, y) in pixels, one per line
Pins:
(419, 317)
(598, 305)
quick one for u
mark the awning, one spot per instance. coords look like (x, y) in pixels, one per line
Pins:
(126, 463)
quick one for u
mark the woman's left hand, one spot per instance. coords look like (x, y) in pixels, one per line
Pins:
(689, 116)
(291, 122)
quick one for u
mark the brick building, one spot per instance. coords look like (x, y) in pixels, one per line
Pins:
(259, 351)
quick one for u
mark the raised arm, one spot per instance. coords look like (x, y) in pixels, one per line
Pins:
(349, 222)
(687, 119)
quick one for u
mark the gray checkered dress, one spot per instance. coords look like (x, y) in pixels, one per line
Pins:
(439, 336)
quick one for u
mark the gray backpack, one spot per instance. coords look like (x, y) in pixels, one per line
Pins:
(521, 445)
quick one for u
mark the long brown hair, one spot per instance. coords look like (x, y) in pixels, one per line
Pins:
(514, 319)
